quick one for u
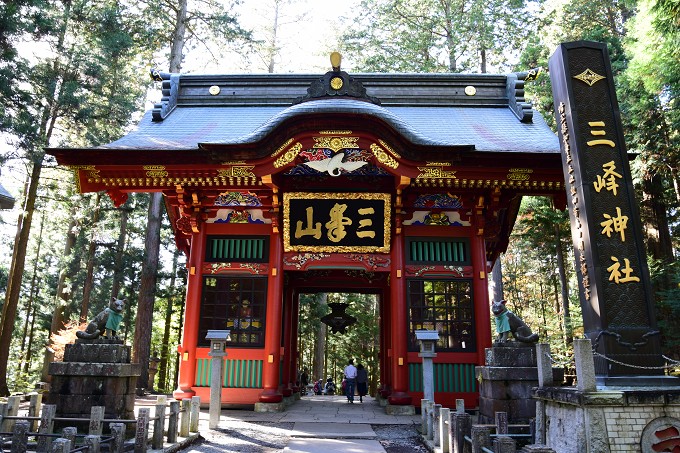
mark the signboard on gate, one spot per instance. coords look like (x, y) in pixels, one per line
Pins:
(337, 222)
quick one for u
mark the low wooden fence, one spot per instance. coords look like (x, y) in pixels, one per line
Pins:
(35, 431)
(447, 431)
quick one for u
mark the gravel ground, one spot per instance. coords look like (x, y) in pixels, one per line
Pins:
(261, 437)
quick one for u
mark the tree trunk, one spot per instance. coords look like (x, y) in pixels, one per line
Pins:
(62, 297)
(497, 281)
(655, 221)
(275, 28)
(147, 285)
(91, 250)
(320, 345)
(29, 352)
(31, 297)
(120, 248)
(9, 309)
(163, 366)
(482, 56)
(178, 37)
(564, 285)
(147, 290)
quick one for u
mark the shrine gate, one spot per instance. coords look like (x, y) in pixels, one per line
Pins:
(402, 185)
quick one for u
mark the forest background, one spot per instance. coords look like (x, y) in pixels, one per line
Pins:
(75, 73)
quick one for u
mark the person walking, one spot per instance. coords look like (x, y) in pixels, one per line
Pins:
(362, 382)
(351, 376)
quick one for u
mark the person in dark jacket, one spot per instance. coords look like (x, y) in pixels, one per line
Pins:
(362, 382)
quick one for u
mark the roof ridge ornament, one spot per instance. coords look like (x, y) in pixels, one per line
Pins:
(336, 83)
(522, 108)
(169, 89)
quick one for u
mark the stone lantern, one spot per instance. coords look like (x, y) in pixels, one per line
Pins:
(218, 345)
(427, 339)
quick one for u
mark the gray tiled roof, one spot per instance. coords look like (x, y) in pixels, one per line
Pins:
(6, 199)
(487, 128)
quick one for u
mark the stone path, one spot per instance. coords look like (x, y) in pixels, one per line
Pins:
(320, 424)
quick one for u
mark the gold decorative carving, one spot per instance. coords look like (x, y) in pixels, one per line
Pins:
(336, 143)
(385, 197)
(589, 76)
(519, 174)
(237, 172)
(289, 155)
(435, 173)
(336, 83)
(81, 167)
(438, 164)
(338, 132)
(156, 173)
(233, 162)
(153, 167)
(390, 149)
(383, 157)
(282, 147)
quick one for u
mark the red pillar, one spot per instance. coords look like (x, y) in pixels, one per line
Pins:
(398, 327)
(187, 349)
(272, 341)
(480, 289)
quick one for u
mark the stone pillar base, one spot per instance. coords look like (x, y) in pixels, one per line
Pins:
(391, 409)
(270, 407)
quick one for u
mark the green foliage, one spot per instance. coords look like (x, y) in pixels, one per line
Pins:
(530, 273)
(360, 342)
(434, 36)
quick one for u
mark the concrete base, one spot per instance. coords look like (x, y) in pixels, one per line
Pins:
(409, 409)
(270, 407)
(288, 400)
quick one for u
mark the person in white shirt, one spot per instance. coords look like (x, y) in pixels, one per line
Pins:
(351, 377)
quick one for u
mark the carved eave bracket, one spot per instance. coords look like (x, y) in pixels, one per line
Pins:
(169, 89)
(337, 84)
(191, 210)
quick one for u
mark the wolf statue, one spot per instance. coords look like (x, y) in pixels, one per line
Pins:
(106, 323)
(507, 321)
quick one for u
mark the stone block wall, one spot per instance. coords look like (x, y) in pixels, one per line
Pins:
(610, 421)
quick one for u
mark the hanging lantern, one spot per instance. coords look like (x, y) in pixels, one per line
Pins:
(337, 319)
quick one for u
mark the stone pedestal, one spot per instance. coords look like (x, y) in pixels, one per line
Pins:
(94, 373)
(506, 383)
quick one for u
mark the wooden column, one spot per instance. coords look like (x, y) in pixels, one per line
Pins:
(398, 326)
(187, 349)
(272, 341)
(480, 290)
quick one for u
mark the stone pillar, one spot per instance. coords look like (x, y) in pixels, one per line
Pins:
(585, 365)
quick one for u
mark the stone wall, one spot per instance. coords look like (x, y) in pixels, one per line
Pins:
(610, 420)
